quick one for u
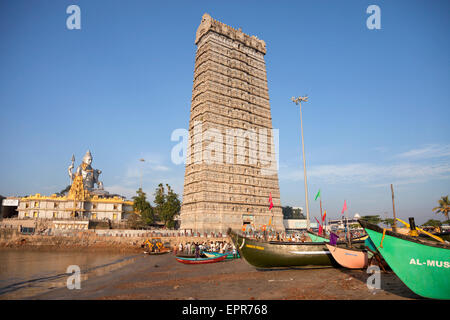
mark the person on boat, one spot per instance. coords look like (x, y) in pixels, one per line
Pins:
(180, 247)
(197, 250)
(225, 247)
(234, 252)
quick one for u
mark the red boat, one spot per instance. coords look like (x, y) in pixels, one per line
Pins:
(201, 260)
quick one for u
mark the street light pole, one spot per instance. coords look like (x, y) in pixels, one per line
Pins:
(298, 101)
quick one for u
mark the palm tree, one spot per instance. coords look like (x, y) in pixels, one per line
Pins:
(444, 206)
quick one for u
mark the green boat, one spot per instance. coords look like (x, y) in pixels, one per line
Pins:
(357, 242)
(271, 254)
(216, 254)
(422, 265)
(316, 238)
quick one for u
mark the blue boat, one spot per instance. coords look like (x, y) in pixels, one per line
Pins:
(185, 260)
(216, 254)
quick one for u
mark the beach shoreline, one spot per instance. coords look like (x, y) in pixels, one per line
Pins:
(160, 277)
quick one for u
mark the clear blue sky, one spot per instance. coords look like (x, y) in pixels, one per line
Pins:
(377, 114)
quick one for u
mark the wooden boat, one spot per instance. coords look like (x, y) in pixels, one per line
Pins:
(317, 238)
(270, 254)
(443, 235)
(201, 260)
(156, 252)
(215, 254)
(185, 255)
(422, 265)
(350, 258)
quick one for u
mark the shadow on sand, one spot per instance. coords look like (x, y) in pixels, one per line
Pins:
(390, 282)
(292, 268)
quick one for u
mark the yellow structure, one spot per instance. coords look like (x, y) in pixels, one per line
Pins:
(80, 202)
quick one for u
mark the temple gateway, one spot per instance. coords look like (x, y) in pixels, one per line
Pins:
(231, 169)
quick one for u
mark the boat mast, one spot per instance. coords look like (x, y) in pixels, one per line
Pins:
(298, 101)
(394, 227)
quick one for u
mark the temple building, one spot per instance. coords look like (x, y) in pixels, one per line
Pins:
(231, 170)
(83, 200)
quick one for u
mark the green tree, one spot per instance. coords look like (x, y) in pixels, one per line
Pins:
(143, 208)
(160, 200)
(433, 223)
(171, 208)
(135, 221)
(388, 222)
(63, 191)
(375, 219)
(287, 212)
(444, 206)
(167, 205)
(297, 214)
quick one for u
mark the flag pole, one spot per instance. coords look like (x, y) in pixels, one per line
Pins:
(321, 218)
(394, 227)
(298, 101)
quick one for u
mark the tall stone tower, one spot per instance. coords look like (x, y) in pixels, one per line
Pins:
(231, 168)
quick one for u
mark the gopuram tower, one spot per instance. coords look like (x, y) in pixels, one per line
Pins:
(231, 168)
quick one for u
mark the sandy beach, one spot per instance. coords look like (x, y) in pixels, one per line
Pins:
(163, 278)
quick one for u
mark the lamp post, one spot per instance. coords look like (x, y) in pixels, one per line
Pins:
(142, 160)
(298, 101)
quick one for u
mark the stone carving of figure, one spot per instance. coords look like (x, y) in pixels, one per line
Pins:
(90, 176)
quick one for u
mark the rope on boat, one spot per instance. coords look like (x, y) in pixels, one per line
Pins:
(243, 241)
(382, 239)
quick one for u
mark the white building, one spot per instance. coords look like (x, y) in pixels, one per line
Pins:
(113, 208)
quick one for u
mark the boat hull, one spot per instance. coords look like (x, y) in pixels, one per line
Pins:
(201, 260)
(316, 238)
(424, 267)
(349, 258)
(156, 253)
(355, 241)
(282, 254)
(215, 254)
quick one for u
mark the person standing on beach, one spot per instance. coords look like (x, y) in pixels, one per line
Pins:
(234, 252)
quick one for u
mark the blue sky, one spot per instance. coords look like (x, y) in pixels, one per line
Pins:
(377, 114)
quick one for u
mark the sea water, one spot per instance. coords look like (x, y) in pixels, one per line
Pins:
(25, 273)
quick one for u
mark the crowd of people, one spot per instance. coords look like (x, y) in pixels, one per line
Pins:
(278, 236)
(301, 236)
(196, 248)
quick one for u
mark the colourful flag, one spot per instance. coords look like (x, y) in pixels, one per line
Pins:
(324, 215)
(320, 227)
(333, 238)
(345, 207)
(270, 201)
(317, 195)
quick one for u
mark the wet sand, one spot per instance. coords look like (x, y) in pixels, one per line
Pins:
(163, 278)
